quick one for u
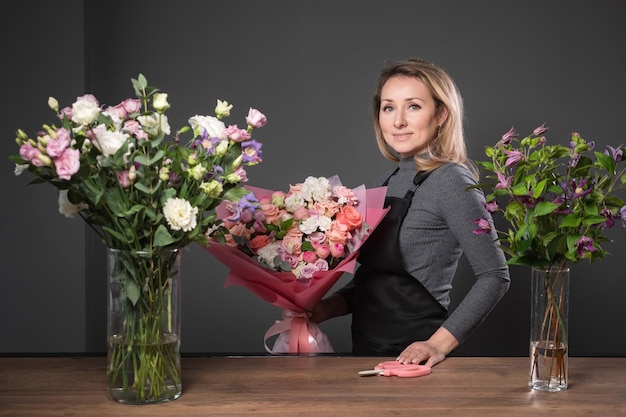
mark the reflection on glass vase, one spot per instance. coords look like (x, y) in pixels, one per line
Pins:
(549, 329)
(144, 321)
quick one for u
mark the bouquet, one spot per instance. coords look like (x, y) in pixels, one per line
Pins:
(290, 249)
(144, 193)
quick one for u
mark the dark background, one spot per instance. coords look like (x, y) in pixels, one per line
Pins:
(310, 66)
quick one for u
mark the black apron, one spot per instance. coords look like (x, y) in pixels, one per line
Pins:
(391, 308)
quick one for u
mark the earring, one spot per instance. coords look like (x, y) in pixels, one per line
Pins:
(438, 130)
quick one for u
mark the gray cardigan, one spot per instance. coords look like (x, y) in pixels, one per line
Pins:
(437, 230)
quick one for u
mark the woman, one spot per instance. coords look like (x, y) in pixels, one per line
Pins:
(400, 293)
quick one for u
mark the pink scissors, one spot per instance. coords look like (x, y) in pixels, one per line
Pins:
(395, 368)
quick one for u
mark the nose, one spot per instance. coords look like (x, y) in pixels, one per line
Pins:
(399, 121)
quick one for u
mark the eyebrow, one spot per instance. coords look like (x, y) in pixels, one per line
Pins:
(407, 99)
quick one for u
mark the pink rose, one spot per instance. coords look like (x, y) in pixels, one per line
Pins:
(338, 233)
(68, 163)
(255, 118)
(326, 208)
(337, 250)
(292, 241)
(322, 250)
(301, 213)
(271, 212)
(259, 242)
(237, 229)
(309, 257)
(350, 216)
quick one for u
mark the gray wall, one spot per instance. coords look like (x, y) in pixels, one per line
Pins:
(310, 66)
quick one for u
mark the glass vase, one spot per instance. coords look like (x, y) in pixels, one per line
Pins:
(143, 326)
(549, 329)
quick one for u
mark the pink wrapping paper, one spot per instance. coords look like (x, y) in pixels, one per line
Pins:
(283, 290)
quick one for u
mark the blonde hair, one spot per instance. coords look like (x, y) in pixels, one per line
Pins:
(449, 144)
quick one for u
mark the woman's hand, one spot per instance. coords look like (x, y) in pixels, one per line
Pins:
(429, 352)
(332, 306)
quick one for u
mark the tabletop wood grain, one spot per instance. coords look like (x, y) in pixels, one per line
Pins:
(316, 386)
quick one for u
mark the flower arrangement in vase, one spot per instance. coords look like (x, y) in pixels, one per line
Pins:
(558, 201)
(146, 194)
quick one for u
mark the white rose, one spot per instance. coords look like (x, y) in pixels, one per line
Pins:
(85, 110)
(108, 142)
(180, 215)
(67, 208)
(213, 127)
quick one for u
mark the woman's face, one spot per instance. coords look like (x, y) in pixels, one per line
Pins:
(407, 115)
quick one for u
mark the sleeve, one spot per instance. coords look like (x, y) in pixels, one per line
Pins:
(461, 207)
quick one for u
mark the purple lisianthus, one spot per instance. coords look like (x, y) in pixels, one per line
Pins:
(251, 151)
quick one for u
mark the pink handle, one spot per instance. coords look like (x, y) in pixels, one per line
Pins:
(393, 368)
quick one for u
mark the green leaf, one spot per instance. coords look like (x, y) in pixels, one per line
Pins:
(146, 189)
(147, 161)
(162, 237)
(539, 188)
(133, 292)
(545, 207)
(571, 220)
(606, 161)
(591, 220)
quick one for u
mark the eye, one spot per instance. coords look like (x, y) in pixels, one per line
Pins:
(387, 109)
(414, 106)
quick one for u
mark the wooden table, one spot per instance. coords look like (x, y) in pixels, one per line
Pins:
(316, 386)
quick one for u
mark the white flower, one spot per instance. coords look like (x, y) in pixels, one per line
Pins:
(268, 253)
(213, 127)
(108, 142)
(19, 168)
(309, 225)
(159, 102)
(180, 215)
(223, 108)
(67, 208)
(53, 104)
(85, 110)
(153, 124)
(293, 202)
(316, 189)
